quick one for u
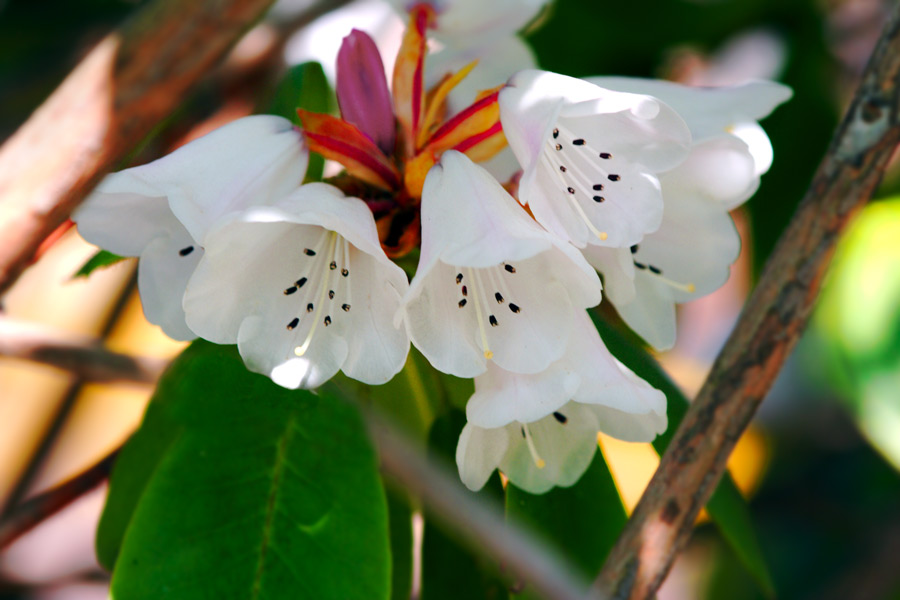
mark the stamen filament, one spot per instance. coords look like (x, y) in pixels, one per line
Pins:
(601, 235)
(689, 288)
(473, 274)
(323, 290)
(538, 461)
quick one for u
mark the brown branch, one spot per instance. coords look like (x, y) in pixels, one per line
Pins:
(29, 514)
(81, 355)
(133, 79)
(771, 323)
(481, 526)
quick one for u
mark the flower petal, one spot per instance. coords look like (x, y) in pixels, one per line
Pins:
(163, 272)
(652, 313)
(463, 22)
(478, 453)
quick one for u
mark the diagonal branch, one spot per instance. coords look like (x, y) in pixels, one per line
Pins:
(769, 327)
(133, 79)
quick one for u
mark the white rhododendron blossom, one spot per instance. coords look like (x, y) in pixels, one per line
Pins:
(304, 289)
(161, 211)
(590, 156)
(690, 255)
(469, 22)
(491, 283)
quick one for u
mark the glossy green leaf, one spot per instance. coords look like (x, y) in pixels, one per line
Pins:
(449, 570)
(582, 521)
(98, 261)
(401, 535)
(727, 506)
(304, 86)
(261, 492)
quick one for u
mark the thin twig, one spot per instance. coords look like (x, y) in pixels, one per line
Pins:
(771, 323)
(480, 525)
(82, 356)
(133, 79)
(30, 513)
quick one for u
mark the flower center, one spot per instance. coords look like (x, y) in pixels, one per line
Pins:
(329, 252)
(689, 288)
(473, 285)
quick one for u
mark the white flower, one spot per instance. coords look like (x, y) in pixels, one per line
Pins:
(305, 290)
(491, 283)
(586, 373)
(690, 255)
(161, 211)
(590, 156)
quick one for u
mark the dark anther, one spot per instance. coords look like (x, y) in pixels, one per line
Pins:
(327, 320)
(571, 190)
(186, 251)
(462, 302)
(634, 249)
(290, 290)
(599, 198)
(294, 322)
(578, 142)
(562, 168)
(559, 146)
(522, 429)
(640, 266)
(309, 307)
(309, 252)
(331, 294)
(510, 268)
(345, 272)
(345, 307)
(655, 270)
(498, 297)
(493, 321)
(514, 307)
(560, 417)
(598, 187)
(605, 155)
(300, 282)
(555, 133)
(613, 177)
(465, 291)
(458, 277)
(332, 266)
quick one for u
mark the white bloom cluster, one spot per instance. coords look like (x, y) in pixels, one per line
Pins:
(627, 177)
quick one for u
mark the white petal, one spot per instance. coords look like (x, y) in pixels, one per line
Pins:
(464, 22)
(720, 169)
(125, 213)
(632, 426)
(566, 449)
(502, 397)
(758, 142)
(617, 268)
(652, 312)
(478, 453)
(252, 161)
(163, 273)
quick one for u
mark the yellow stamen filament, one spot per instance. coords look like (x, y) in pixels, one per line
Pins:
(601, 235)
(538, 461)
(690, 288)
(438, 99)
(323, 291)
(478, 299)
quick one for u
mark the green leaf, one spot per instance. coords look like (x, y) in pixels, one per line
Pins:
(400, 520)
(304, 86)
(727, 506)
(449, 570)
(99, 260)
(582, 521)
(260, 492)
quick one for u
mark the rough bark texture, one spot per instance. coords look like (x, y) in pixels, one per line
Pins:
(770, 325)
(133, 79)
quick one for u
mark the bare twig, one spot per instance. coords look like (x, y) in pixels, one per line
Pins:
(481, 526)
(43, 506)
(83, 356)
(134, 78)
(772, 321)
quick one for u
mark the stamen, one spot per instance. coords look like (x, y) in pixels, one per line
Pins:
(598, 187)
(301, 350)
(345, 307)
(465, 291)
(459, 278)
(613, 177)
(479, 290)
(493, 321)
(509, 268)
(561, 418)
(689, 288)
(331, 294)
(514, 307)
(601, 235)
(332, 266)
(599, 198)
(346, 272)
(578, 142)
(498, 297)
(309, 252)
(300, 282)
(294, 322)
(290, 290)
(634, 249)
(185, 251)
(538, 461)
(555, 133)
(462, 302)
(605, 155)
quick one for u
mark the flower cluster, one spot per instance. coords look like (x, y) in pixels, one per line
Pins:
(630, 178)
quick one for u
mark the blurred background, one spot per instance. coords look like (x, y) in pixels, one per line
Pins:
(819, 465)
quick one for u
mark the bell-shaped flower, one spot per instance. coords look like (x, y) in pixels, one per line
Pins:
(556, 449)
(161, 211)
(586, 373)
(590, 156)
(304, 289)
(732, 112)
(491, 283)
